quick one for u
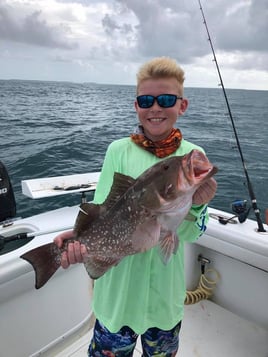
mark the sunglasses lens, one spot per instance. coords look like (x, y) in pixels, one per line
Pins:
(166, 100)
(145, 101)
(163, 100)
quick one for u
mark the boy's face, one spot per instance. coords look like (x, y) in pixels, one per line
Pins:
(157, 121)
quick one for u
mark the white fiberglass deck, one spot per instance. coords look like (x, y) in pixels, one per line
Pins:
(208, 331)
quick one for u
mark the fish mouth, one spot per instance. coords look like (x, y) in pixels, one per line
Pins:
(199, 167)
(198, 171)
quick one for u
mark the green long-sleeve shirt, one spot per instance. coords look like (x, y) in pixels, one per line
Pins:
(141, 292)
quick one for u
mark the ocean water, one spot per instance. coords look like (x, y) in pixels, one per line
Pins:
(61, 128)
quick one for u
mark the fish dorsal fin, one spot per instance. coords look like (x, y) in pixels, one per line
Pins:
(88, 213)
(121, 183)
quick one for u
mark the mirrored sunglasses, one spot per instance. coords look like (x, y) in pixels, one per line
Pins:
(163, 100)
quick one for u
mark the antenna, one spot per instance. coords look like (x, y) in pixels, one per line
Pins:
(249, 185)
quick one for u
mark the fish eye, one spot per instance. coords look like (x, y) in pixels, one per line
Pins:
(166, 167)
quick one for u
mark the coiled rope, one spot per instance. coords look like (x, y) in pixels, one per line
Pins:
(204, 289)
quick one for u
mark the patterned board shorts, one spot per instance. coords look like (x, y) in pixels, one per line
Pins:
(154, 342)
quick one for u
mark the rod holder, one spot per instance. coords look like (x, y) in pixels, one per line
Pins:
(203, 260)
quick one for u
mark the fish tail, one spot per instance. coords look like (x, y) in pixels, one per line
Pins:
(45, 261)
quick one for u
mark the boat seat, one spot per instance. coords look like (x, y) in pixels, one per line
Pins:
(208, 330)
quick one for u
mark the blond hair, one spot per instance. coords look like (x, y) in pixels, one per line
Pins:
(161, 67)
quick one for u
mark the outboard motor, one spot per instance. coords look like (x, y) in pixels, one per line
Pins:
(7, 198)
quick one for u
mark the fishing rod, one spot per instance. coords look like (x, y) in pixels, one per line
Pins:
(249, 185)
(21, 236)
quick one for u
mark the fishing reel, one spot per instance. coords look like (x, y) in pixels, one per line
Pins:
(241, 210)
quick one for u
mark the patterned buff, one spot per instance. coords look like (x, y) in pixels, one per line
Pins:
(161, 148)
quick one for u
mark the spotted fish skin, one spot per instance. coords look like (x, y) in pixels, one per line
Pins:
(138, 214)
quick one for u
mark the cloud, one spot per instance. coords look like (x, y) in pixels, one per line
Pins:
(109, 24)
(124, 33)
(143, 28)
(161, 29)
(176, 28)
(243, 27)
(31, 28)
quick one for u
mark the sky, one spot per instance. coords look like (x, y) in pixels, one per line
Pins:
(106, 41)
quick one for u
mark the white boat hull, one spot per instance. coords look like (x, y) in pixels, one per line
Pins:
(32, 321)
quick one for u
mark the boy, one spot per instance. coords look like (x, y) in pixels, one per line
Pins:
(141, 295)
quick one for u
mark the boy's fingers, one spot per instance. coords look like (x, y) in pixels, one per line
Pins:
(58, 240)
(78, 258)
(64, 260)
(84, 252)
(71, 253)
(75, 253)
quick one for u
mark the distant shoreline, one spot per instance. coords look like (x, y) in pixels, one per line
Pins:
(116, 84)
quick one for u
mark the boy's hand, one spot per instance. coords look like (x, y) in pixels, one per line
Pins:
(75, 253)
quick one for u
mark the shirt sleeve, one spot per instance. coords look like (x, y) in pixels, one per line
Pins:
(195, 224)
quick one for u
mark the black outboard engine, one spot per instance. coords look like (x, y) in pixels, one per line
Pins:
(7, 198)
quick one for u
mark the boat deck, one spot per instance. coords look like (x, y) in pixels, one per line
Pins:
(208, 331)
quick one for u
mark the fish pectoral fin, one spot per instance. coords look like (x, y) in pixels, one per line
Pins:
(88, 213)
(97, 266)
(45, 261)
(168, 244)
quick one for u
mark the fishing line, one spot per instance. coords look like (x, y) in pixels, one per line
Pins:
(249, 185)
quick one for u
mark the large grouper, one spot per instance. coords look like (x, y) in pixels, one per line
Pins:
(138, 214)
